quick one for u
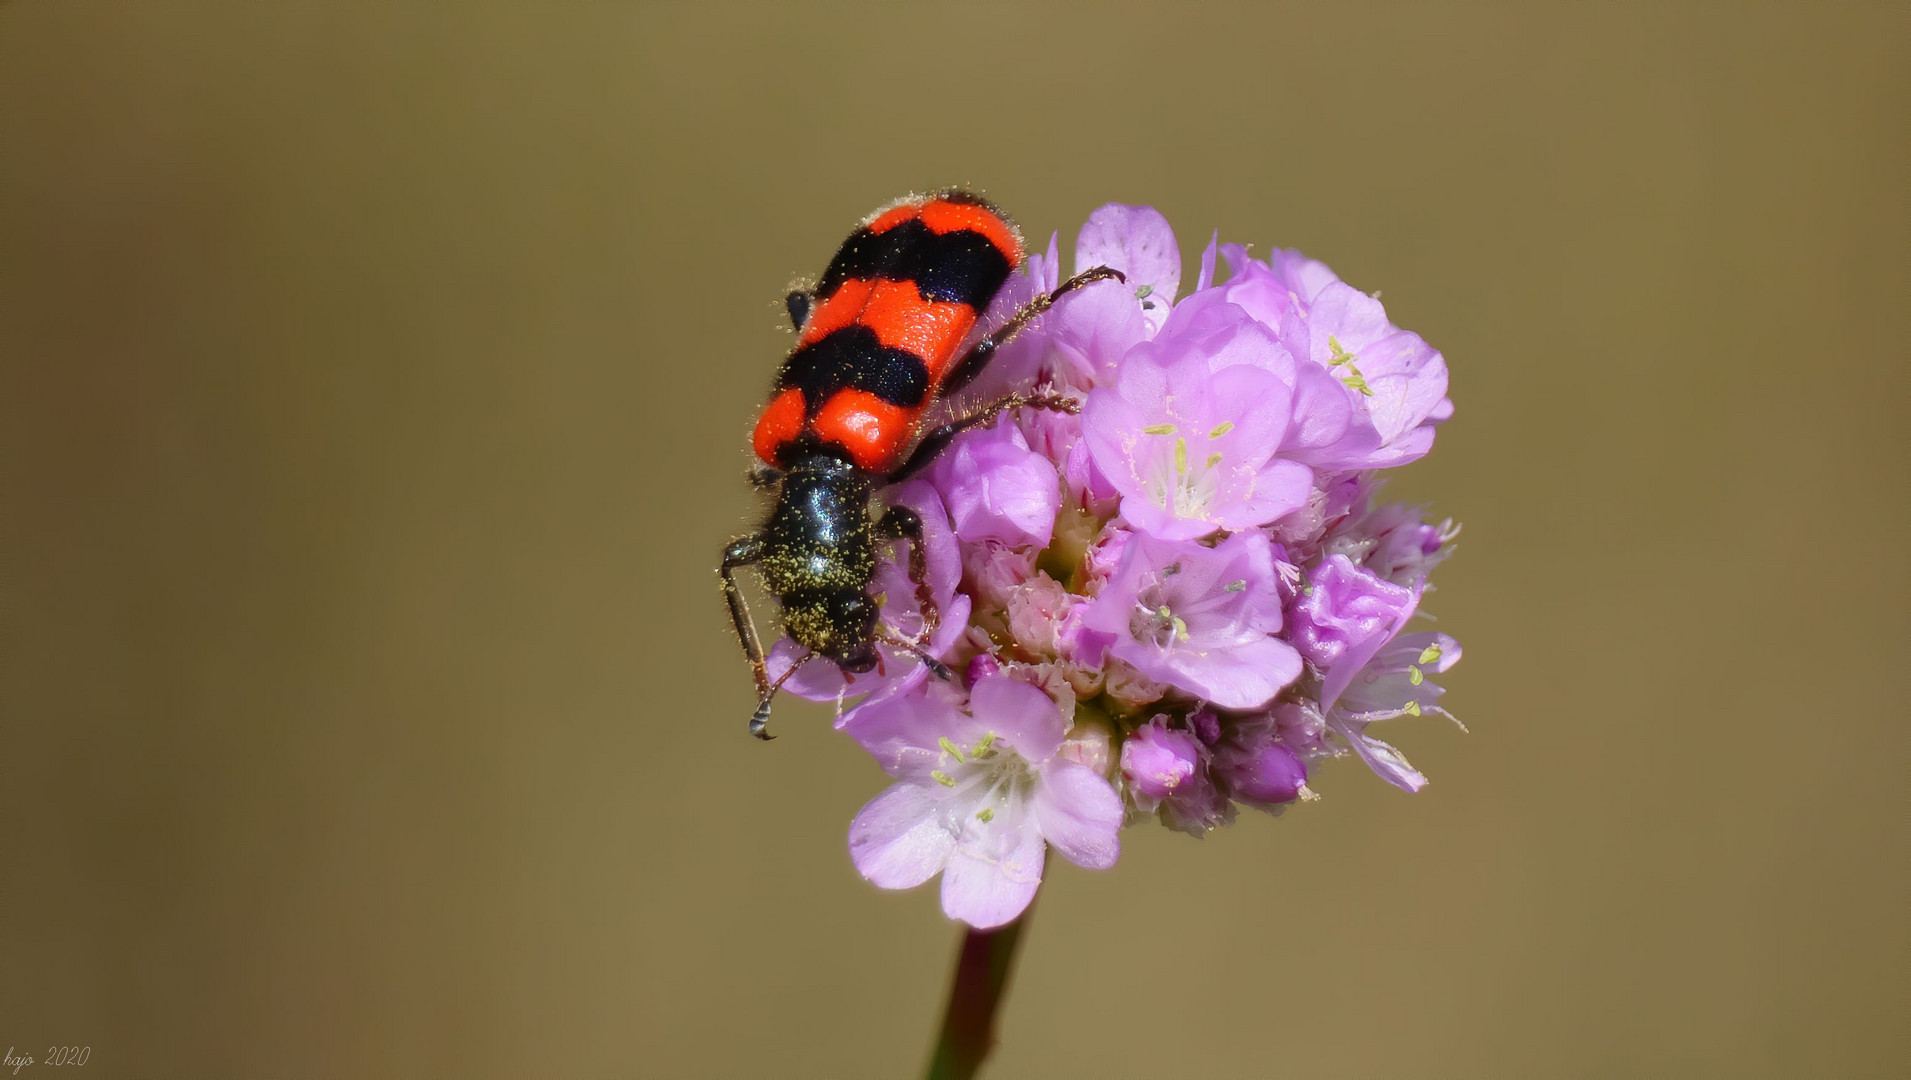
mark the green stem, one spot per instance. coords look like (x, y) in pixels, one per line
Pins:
(968, 1023)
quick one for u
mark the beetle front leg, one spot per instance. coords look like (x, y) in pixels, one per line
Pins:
(744, 552)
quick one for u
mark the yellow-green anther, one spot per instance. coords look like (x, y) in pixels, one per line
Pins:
(1221, 429)
(1181, 455)
(949, 744)
(985, 815)
(1214, 459)
(1238, 586)
(1430, 654)
(986, 746)
(1144, 292)
(1180, 628)
(1162, 612)
(1413, 708)
(1414, 675)
(1158, 429)
(1355, 379)
(942, 778)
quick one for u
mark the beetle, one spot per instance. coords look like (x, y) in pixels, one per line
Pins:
(879, 341)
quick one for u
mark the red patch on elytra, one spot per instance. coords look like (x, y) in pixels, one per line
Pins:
(782, 420)
(871, 429)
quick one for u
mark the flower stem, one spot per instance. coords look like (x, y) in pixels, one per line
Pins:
(968, 1023)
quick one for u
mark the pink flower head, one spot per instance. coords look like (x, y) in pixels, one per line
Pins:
(1180, 601)
(981, 793)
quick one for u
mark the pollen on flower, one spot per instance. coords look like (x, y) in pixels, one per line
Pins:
(1141, 629)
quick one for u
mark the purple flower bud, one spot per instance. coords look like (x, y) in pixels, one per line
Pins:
(1167, 771)
(1157, 760)
(1206, 725)
(1269, 775)
(982, 667)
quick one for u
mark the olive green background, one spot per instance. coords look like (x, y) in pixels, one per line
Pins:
(377, 381)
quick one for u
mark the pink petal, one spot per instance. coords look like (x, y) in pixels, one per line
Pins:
(1093, 329)
(1386, 762)
(1245, 676)
(898, 840)
(991, 892)
(900, 731)
(1079, 812)
(1138, 241)
(1018, 714)
(1206, 277)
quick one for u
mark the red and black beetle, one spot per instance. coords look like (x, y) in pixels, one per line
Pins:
(879, 340)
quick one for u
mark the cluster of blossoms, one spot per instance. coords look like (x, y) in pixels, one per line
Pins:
(1178, 601)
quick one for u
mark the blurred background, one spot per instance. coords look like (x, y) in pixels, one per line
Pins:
(377, 383)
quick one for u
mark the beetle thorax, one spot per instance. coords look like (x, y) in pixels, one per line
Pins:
(822, 555)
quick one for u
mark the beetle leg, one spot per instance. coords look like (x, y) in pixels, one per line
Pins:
(934, 443)
(977, 358)
(744, 552)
